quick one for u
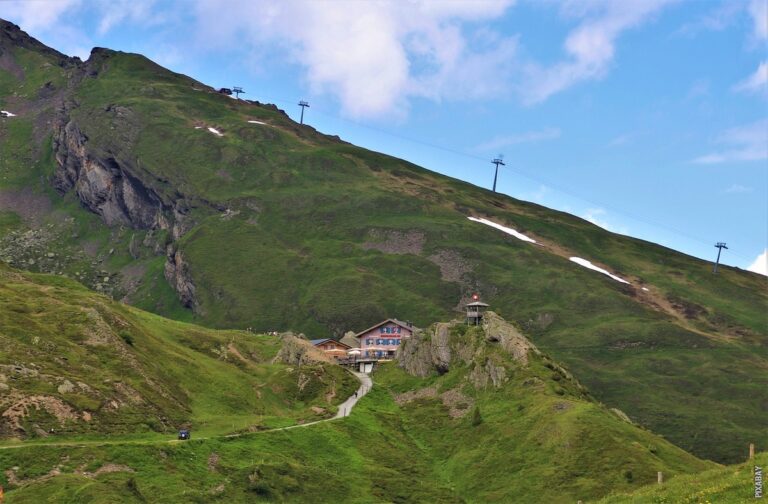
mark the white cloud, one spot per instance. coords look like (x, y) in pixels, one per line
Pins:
(590, 47)
(501, 141)
(755, 83)
(760, 265)
(720, 18)
(36, 16)
(758, 9)
(738, 189)
(743, 143)
(116, 12)
(372, 56)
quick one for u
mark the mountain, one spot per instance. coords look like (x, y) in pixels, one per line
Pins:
(466, 414)
(153, 188)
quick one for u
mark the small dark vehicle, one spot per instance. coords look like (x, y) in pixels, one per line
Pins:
(184, 435)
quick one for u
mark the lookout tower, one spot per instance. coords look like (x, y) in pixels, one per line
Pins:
(475, 310)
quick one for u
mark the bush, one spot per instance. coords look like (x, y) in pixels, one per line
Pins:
(477, 419)
(127, 338)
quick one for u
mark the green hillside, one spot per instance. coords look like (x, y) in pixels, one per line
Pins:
(725, 485)
(77, 364)
(464, 415)
(110, 166)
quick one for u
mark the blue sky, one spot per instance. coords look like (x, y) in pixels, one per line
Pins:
(649, 118)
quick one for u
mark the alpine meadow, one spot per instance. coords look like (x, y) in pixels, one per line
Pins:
(173, 258)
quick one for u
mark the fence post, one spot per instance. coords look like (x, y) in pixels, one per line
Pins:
(751, 451)
(659, 477)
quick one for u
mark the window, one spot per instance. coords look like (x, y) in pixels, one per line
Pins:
(368, 341)
(381, 330)
(399, 330)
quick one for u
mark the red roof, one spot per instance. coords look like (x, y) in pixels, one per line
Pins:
(394, 321)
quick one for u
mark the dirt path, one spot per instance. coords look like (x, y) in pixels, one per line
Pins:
(345, 409)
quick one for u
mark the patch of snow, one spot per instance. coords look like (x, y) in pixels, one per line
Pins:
(198, 127)
(215, 132)
(589, 265)
(5, 113)
(645, 289)
(257, 122)
(509, 231)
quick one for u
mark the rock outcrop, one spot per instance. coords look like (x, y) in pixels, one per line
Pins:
(178, 275)
(111, 186)
(104, 185)
(491, 352)
(298, 351)
(498, 330)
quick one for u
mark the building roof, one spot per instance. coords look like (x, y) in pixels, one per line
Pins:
(394, 321)
(478, 303)
(320, 341)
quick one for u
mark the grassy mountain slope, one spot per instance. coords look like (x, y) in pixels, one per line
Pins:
(538, 437)
(275, 226)
(82, 365)
(504, 424)
(725, 485)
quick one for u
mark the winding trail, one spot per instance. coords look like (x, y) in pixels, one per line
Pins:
(345, 409)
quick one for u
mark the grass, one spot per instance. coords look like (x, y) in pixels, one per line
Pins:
(134, 374)
(532, 445)
(728, 485)
(281, 216)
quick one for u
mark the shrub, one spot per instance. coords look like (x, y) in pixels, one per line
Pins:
(127, 338)
(477, 419)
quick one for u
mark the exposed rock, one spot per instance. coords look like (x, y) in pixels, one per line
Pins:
(415, 356)
(111, 186)
(213, 461)
(178, 275)
(20, 406)
(452, 265)
(28, 205)
(489, 373)
(298, 351)
(349, 339)
(103, 185)
(392, 241)
(499, 330)
(434, 351)
(441, 350)
(458, 404)
(66, 387)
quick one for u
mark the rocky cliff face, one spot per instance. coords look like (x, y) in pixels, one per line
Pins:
(490, 351)
(177, 273)
(104, 185)
(109, 183)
